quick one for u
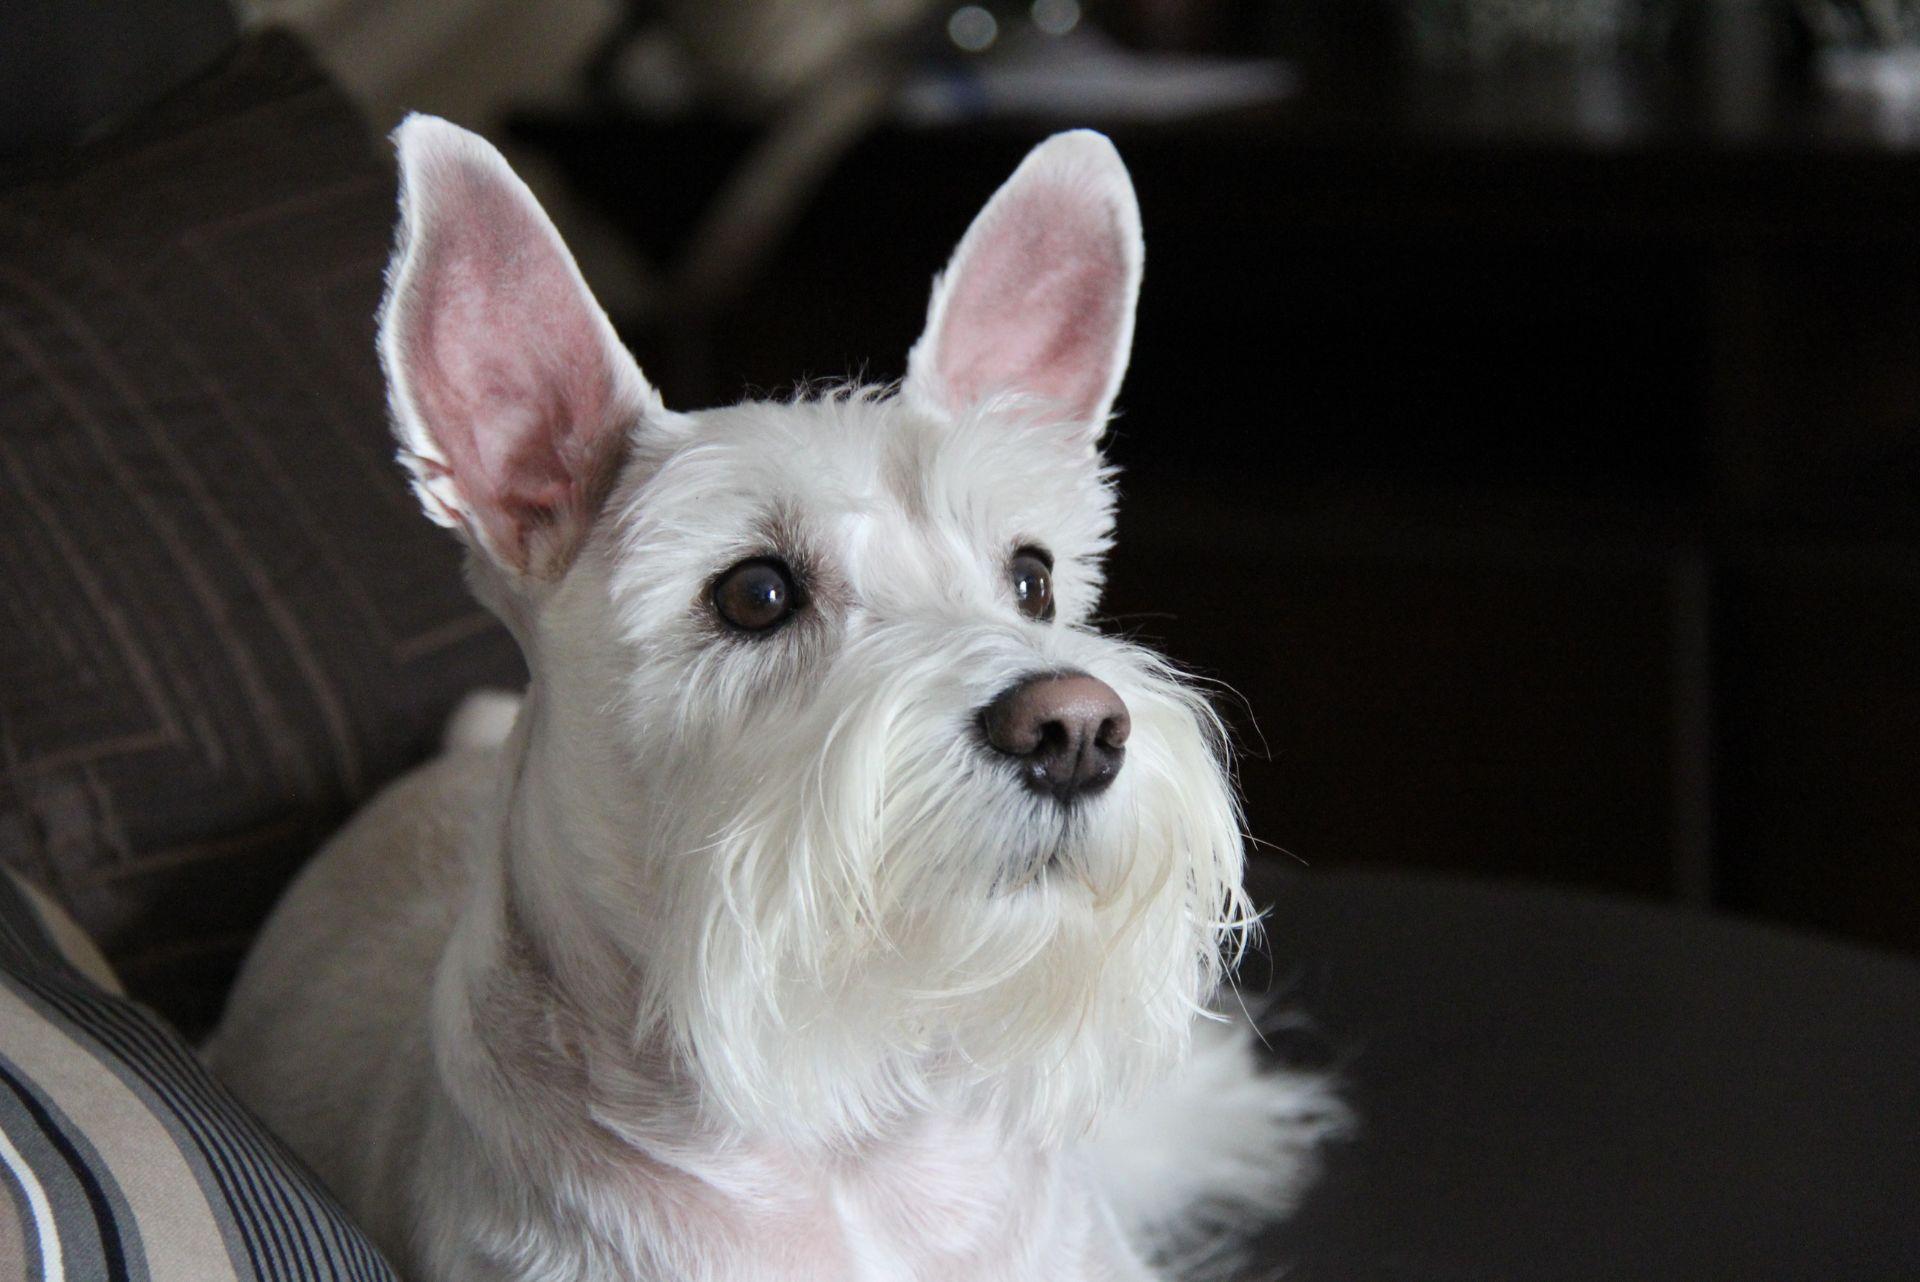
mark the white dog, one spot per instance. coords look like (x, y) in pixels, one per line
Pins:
(841, 904)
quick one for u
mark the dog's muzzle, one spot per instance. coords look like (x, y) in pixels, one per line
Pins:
(1065, 731)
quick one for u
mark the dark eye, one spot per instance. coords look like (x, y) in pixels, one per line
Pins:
(756, 595)
(1032, 573)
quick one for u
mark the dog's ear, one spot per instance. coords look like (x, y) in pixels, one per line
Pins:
(1038, 300)
(510, 393)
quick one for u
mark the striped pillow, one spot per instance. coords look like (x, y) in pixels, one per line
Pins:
(122, 1159)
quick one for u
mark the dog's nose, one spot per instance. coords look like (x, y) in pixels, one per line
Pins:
(1067, 730)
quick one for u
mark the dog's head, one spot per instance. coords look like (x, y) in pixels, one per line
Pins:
(821, 738)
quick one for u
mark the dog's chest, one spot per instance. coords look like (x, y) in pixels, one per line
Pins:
(943, 1202)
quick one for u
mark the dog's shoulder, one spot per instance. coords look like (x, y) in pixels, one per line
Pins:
(329, 1013)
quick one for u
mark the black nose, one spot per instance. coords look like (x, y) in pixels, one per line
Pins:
(1066, 730)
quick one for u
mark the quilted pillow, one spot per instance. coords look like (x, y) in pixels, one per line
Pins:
(123, 1160)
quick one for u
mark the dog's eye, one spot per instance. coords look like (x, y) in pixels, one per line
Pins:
(757, 595)
(1032, 572)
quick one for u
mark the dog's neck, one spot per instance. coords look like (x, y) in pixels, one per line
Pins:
(545, 976)
(540, 1056)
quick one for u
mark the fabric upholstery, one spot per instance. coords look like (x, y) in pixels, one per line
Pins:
(122, 1159)
(226, 622)
(1573, 1087)
(68, 70)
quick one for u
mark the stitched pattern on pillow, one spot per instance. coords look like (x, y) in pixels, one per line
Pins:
(226, 623)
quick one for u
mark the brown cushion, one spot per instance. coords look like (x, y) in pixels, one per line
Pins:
(226, 621)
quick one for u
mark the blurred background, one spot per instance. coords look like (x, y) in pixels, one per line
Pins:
(1524, 422)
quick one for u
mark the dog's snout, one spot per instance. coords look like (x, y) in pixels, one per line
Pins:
(1067, 730)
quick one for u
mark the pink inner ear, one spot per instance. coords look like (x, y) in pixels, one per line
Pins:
(1038, 305)
(507, 365)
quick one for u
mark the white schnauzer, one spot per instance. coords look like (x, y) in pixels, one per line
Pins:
(840, 904)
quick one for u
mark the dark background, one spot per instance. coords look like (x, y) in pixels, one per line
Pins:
(1540, 482)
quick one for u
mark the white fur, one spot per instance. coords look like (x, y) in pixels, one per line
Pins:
(483, 720)
(742, 957)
